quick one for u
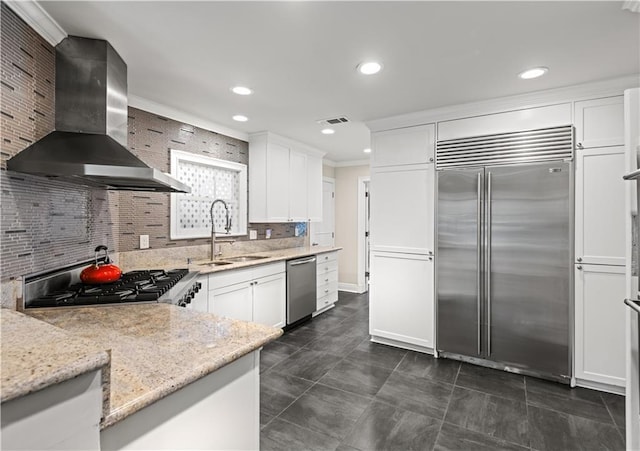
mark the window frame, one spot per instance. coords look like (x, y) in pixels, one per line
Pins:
(180, 234)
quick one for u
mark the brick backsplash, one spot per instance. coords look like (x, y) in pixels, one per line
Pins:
(45, 223)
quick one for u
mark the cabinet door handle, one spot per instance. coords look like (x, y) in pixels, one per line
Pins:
(579, 259)
(326, 291)
(579, 146)
(326, 280)
(579, 267)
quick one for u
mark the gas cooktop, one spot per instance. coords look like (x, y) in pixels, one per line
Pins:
(134, 286)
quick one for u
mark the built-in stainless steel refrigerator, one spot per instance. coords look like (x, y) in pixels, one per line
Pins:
(504, 262)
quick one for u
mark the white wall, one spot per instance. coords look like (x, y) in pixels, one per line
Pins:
(347, 221)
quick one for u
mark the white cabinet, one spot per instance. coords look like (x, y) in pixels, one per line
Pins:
(402, 209)
(600, 324)
(599, 122)
(315, 191)
(327, 280)
(411, 145)
(401, 299)
(600, 206)
(61, 416)
(285, 180)
(253, 294)
(269, 300)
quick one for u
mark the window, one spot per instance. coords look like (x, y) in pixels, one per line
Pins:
(210, 179)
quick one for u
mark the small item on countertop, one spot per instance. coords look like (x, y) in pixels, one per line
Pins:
(98, 273)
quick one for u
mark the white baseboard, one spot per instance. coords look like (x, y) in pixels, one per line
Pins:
(400, 344)
(600, 386)
(351, 288)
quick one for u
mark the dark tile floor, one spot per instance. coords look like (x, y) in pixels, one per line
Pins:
(324, 386)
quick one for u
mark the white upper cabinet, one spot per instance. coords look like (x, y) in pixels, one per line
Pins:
(402, 209)
(600, 122)
(285, 180)
(600, 206)
(411, 145)
(314, 189)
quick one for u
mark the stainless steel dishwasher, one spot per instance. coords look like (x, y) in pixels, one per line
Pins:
(301, 289)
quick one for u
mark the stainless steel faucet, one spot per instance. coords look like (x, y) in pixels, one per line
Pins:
(227, 226)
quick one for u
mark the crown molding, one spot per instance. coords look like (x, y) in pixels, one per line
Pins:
(289, 142)
(327, 162)
(37, 18)
(182, 116)
(604, 88)
(346, 164)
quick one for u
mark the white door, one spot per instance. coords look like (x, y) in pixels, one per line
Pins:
(269, 300)
(600, 122)
(600, 324)
(401, 298)
(234, 301)
(323, 232)
(402, 206)
(298, 187)
(277, 183)
(600, 206)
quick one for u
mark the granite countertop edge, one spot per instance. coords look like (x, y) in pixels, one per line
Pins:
(17, 385)
(175, 384)
(271, 257)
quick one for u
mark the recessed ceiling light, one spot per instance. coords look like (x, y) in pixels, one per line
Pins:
(240, 118)
(367, 150)
(328, 131)
(369, 67)
(242, 90)
(533, 73)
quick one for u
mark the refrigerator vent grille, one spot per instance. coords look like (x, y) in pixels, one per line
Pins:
(518, 147)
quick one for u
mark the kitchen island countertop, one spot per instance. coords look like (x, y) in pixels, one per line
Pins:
(156, 349)
(36, 355)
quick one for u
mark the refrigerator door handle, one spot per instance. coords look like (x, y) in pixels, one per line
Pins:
(488, 263)
(635, 305)
(479, 252)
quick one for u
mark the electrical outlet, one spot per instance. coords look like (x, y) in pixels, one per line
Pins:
(144, 241)
(253, 234)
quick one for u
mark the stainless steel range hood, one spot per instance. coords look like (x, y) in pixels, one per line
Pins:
(88, 146)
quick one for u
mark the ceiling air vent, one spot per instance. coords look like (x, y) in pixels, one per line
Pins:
(334, 121)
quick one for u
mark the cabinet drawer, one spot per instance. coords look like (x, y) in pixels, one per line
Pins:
(326, 278)
(235, 276)
(230, 277)
(328, 257)
(327, 267)
(327, 289)
(328, 299)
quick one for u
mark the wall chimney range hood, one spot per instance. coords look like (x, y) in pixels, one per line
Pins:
(88, 145)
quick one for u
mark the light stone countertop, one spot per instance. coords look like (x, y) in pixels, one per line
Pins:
(156, 349)
(272, 256)
(36, 355)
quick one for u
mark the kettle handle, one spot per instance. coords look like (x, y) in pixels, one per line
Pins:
(104, 248)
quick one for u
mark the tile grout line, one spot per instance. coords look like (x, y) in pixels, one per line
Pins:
(446, 410)
(612, 417)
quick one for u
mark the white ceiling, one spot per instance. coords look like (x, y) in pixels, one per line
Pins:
(300, 57)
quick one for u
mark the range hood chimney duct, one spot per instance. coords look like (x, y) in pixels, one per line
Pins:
(88, 146)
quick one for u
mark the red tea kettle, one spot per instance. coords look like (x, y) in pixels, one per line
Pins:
(101, 272)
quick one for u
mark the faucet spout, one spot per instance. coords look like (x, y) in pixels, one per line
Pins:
(227, 226)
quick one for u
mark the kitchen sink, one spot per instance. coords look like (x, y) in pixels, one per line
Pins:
(217, 263)
(245, 258)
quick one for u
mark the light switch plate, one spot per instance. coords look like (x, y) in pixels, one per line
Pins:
(144, 241)
(253, 234)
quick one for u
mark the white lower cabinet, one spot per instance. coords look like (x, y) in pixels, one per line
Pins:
(600, 325)
(254, 294)
(61, 416)
(326, 280)
(200, 301)
(401, 299)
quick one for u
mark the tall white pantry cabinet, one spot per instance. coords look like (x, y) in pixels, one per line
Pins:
(401, 292)
(600, 243)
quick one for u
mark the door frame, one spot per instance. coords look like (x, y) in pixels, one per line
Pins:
(362, 221)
